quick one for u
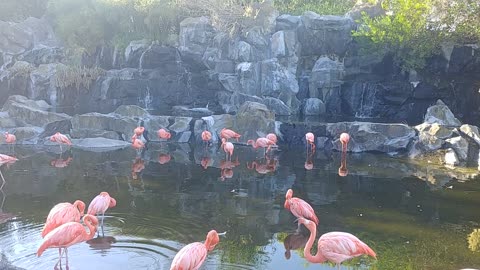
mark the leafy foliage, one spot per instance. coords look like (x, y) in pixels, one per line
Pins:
(322, 7)
(66, 76)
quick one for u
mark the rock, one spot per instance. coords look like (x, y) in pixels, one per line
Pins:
(313, 106)
(132, 111)
(472, 132)
(229, 82)
(254, 120)
(255, 37)
(99, 144)
(184, 137)
(94, 133)
(43, 55)
(232, 102)
(195, 36)
(155, 122)
(27, 135)
(248, 75)
(322, 143)
(371, 9)
(277, 106)
(436, 130)
(326, 76)
(191, 112)
(214, 124)
(160, 57)
(181, 124)
(31, 112)
(429, 143)
(134, 52)
(6, 121)
(451, 158)
(365, 136)
(441, 114)
(42, 81)
(460, 145)
(276, 78)
(104, 122)
(314, 41)
(287, 22)
(62, 126)
(278, 44)
(224, 66)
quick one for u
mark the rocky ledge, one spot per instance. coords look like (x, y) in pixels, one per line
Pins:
(441, 138)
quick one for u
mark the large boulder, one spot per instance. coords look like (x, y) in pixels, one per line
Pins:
(472, 132)
(367, 136)
(460, 145)
(86, 123)
(99, 144)
(327, 76)
(314, 40)
(231, 102)
(195, 36)
(254, 120)
(160, 57)
(277, 106)
(134, 52)
(313, 106)
(442, 115)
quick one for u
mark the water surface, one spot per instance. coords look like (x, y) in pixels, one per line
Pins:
(414, 216)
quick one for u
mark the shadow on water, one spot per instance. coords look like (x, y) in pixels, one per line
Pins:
(414, 217)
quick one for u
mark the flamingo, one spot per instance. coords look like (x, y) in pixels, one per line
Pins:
(10, 139)
(164, 134)
(192, 256)
(206, 137)
(299, 208)
(60, 139)
(335, 247)
(265, 143)
(227, 147)
(5, 159)
(344, 139)
(342, 170)
(100, 204)
(310, 138)
(164, 158)
(139, 131)
(272, 137)
(63, 213)
(67, 235)
(228, 134)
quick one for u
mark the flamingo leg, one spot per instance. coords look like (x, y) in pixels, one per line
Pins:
(3, 199)
(103, 217)
(3, 179)
(338, 266)
(66, 256)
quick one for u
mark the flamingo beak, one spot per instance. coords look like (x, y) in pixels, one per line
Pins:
(223, 234)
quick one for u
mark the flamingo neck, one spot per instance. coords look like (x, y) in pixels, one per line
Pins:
(318, 258)
(92, 230)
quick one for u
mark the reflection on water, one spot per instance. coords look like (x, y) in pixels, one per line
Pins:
(172, 195)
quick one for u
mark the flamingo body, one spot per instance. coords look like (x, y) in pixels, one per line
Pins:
(261, 142)
(344, 139)
(227, 147)
(69, 234)
(137, 144)
(139, 131)
(10, 138)
(272, 137)
(63, 213)
(60, 138)
(164, 134)
(229, 134)
(101, 203)
(206, 136)
(299, 207)
(5, 159)
(192, 256)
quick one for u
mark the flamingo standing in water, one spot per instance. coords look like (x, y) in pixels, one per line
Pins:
(310, 138)
(139, 131)
(206, 137)
(192, 256)
(67, 235)
(100, 204)
(164, 134)
(342, 170)
(344, 139)
(10, 139)
(228, 148)
(137, 144)
(299, 208)
(265, 143)
(229, 134)
(60, 139)
(335, 247)
(5, 159)
(63, 213)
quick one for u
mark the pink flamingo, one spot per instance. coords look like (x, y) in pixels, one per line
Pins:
(206, 137)
(229, 134)
(10, 139)
(100, 204)
(335, 247)
(60, 139)
(344, 139)
(228, 148)
(67, 235)
(272, 137)
(164, 134)
(310, 138)
(139, 131)
(5, 159)
(63, 213)
(265, 143)
(299, 208)
(192, 256)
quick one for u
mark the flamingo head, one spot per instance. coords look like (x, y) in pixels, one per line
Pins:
(289, 194)
(250, 142)
(212, 240)
(6, 134)
(113, 202)
(308, 223)
(224, 141)
(90, 219)
(80, 206)
(344, 138)
(104, 194)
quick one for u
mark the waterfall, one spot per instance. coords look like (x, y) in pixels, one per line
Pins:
(114, 57)
(140, 63)
(147, 101)
(367, 100)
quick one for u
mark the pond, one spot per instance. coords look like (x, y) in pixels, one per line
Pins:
(415, 216)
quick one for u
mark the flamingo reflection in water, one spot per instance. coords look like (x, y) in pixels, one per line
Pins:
(137, 167)
(226, 168)
(164, 158)
(269, 166)
(342, 170)
(206, 162)
(5, 160)
(10, 139)
(102, 243)
(294, 241)
(60, 162)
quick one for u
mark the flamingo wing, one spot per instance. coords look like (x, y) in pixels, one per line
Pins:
(99, 204)
(301, 208)
(190, 257)
(340, 246)
(60, 214)
(64, 236)
(64, 139)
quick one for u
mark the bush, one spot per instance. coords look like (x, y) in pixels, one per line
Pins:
(322, 7)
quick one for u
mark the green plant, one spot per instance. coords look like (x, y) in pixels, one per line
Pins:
(66, 76)
(322, 7)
